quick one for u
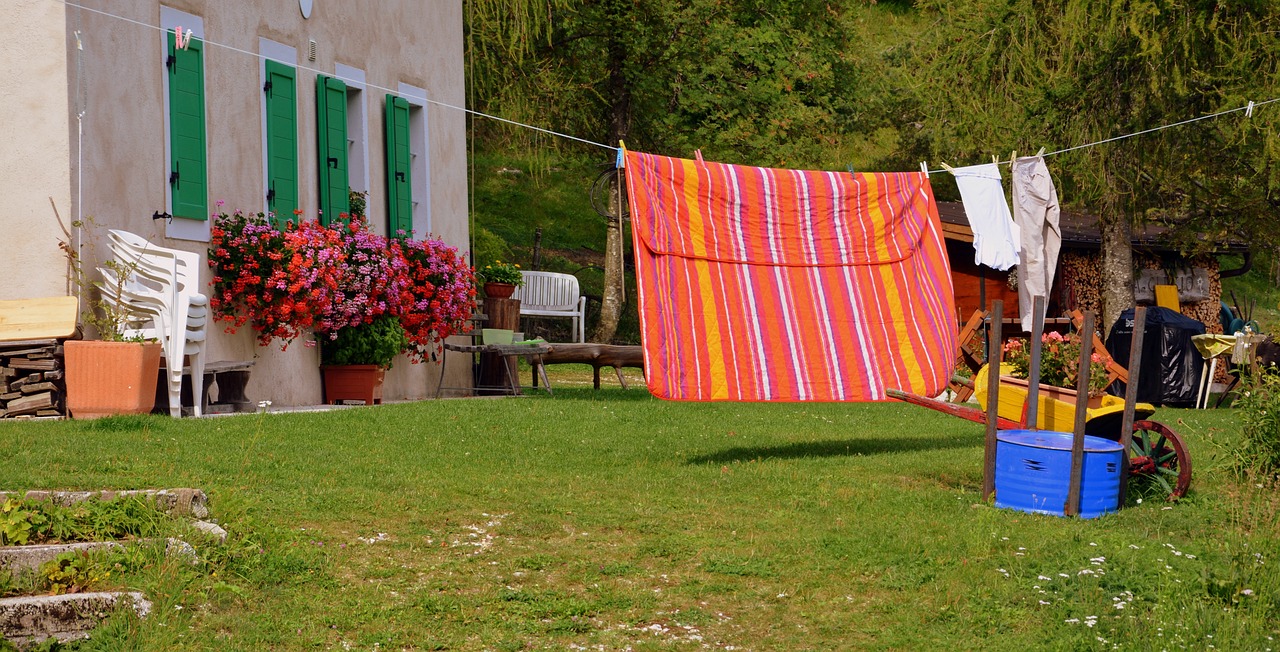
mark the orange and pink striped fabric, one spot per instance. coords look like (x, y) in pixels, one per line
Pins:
(762, 284)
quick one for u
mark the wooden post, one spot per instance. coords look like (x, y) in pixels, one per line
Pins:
(994, 356)
(1072, 507)
(1032, 410)
(503, 313)
(1131, 394)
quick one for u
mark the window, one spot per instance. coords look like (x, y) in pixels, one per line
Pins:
(399, 168)
(188, 174)
(280, 93)
(419, 158)
(331, 131)
(357, 133)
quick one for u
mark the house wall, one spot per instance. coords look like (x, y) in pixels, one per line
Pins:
(34, 175)
(125, 165)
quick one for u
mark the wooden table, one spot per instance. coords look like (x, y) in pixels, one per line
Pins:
(508, 353)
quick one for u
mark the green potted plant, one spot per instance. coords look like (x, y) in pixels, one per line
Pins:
(355, 360)
(500, 279)
(117, 373)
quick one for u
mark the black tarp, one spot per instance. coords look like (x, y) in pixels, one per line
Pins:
(1171, 365)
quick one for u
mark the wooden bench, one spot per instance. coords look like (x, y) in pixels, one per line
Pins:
(549, 294)
(230, 377)
(596, 355)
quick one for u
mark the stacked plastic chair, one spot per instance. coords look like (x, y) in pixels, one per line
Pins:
(160, 287)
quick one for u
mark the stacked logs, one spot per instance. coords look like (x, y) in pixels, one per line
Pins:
(1080, 285)
(31, 379)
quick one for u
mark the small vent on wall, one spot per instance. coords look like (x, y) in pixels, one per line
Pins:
(311, 50)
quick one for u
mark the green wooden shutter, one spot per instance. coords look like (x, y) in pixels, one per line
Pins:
(399, 172)
(188, 173)
(282, 140)
(331, 129)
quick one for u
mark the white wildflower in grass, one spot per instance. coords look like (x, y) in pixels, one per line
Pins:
(1042, 577)
(1063, 575)
(1191, 556)
(1134, 547)
(1044, 602)
(1247, 592)
(1071, 621)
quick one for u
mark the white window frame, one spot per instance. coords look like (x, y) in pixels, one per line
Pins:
(170, 18)
(287, 55)
(357, 135)
(420, 157)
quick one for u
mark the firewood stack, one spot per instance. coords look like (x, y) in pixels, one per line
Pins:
(32, 376)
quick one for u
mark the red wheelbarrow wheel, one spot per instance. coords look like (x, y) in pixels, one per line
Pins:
(1158, 461)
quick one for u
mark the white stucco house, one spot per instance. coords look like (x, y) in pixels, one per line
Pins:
(272, 106)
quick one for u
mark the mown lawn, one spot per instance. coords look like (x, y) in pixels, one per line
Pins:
(610, 520)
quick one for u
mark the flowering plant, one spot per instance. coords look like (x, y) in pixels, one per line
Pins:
(330, 279)
(500, 272)
(1059, 361)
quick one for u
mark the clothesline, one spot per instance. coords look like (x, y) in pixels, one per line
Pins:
(1248, 108)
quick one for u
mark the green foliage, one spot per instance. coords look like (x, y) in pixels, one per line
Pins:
(28, 521)
(500, 272)
(17, 524)
(73, 572)
(376, 343)
(1259, 408)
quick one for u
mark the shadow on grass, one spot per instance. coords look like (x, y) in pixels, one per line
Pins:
(837, 448)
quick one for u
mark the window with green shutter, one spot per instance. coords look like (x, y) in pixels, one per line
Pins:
(399, 167)
(188, 173)
(331, 131)
(282, 140)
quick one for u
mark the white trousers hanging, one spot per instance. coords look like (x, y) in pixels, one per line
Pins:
(995, 236)
(1035, 207)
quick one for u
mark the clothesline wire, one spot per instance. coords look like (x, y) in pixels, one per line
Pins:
(317, 71)
(69, 3)
(1247, 108)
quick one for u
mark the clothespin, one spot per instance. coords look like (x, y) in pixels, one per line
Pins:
(80, 46)
(994, 160)
(1248, 110)
(181, 40)
(697, 154)
(851, 172)
(948, 168)
(1041, 152)
(1013, 157)
(924, 168)
(621, 162)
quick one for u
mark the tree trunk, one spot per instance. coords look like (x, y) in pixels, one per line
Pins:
(614, 276)
(1117, 265)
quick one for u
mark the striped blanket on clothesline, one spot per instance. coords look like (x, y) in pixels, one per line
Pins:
(762, 284)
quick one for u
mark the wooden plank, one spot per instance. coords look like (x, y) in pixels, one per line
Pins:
(44, 318)
(21, 344)
(10, 396)
(39, 387)
(994, 357)
(29, 404)
(1072, 508)
(43, 352)
(1131, 395)
(44, 365)
(1032, 409)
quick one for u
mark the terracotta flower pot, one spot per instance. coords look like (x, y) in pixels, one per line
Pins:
(499, 290)
(353, 382)
(108, 378)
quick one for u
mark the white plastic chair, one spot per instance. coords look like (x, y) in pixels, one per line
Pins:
(551, 294)
(163, 284)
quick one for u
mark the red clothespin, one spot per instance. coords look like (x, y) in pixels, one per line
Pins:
(181, 39)
(697, 154)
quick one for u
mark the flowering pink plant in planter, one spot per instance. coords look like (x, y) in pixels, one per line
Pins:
(321, 279)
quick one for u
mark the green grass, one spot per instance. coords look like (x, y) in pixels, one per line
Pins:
(612, 519)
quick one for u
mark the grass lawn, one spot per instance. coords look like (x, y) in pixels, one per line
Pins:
(610, 520)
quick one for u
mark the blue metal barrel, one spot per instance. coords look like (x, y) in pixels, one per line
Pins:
(1033, 472)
